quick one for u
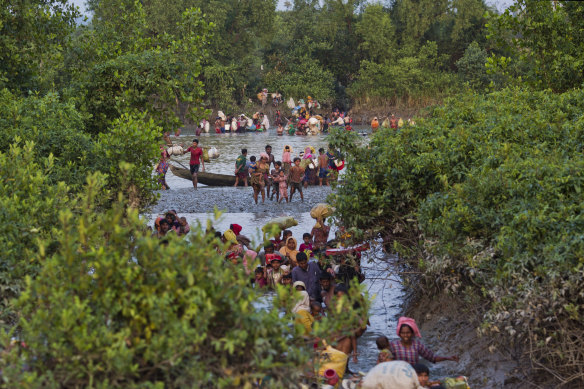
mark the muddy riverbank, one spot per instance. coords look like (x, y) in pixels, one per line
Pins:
(449, 326)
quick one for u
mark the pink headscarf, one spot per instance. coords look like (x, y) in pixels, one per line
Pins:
(409, 322)
(264, 155)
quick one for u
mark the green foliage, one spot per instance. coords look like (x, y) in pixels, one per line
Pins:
(471, 67)
(546, 41)
(301, 78)
(114, 307)
(56, 127)
(30, 205)
(411, 77)
(314, 48)
(130, 150)
(158, 75)
(495, 185)
(33, 34)
(377, 34)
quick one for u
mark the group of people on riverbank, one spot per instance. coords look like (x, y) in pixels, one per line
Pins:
(287, 176)
(390, 121)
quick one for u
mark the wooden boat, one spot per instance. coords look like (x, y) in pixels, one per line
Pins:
(210, 179)
(214, 179)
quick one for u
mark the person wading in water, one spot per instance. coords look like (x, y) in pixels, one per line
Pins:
(196, 160)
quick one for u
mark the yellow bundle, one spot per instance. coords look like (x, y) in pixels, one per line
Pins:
(321, 211)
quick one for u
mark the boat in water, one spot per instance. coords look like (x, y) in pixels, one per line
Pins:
(215, 179)
(205, 178)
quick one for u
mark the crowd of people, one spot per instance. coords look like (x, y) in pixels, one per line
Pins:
(304, 119)
(320, 277)
(321, 274)
(232, 123)
(310, 268)
(287, 176)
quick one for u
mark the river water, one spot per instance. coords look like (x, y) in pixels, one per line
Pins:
(382, 282)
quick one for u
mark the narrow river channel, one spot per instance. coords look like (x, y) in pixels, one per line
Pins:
(382, 282)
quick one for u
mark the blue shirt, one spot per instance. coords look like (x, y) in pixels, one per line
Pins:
(310, 277)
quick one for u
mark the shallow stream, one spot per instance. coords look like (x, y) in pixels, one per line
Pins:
(382, 283)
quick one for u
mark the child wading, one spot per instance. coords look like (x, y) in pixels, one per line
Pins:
(283, 186)
(275, 173)
(287, 159)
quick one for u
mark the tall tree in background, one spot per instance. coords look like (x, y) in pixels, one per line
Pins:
(338, 26)
(414, 18)
(294, 67)
(376, 33)
(243, 31)
(543, 43)
(32, 38)
(124, 67)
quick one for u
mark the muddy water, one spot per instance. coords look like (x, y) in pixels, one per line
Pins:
(382, 284)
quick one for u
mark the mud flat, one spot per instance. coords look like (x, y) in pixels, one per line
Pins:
(449, 326)
(236, 200)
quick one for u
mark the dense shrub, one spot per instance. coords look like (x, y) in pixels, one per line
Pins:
(491, 189)
(56, 128)
(303, 77)
(114, 307)
(413, 76)
(30, 205)
(130, 149)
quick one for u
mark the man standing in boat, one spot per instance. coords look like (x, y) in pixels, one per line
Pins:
(196, 160)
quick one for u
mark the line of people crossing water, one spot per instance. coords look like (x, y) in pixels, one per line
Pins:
(289, 175)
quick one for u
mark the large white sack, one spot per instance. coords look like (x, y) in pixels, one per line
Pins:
(291, 103)
(391, 375)
(175, 150)
(213, 153)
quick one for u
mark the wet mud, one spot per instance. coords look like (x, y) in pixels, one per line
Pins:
(235, 200)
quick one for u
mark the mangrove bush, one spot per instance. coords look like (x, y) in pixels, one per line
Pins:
(488, 190)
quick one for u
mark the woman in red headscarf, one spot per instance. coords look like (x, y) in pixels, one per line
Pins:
(409, 348)
(241, 239)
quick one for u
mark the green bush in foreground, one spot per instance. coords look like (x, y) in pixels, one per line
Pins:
(30, 207)
(490, 188)
(114, 307)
